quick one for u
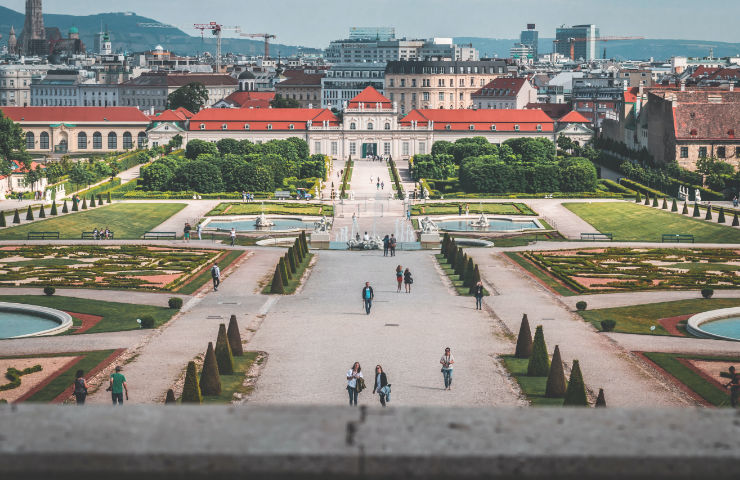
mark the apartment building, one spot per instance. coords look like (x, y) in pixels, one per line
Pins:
(305, 88)
(505, 93)
(15, 83)
(345, 81)
(150, 90)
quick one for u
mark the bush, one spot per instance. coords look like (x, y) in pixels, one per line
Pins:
(147, 321)
(707, 292)
(608, 325)
(555, 387)
(224, 358)
(581, 306)
(524, 340)
(42, 213)
(685, 210)
(575, 396)
(600, 400)
(735, 221)
(191, 390)
(175, 303)
(721, 216)
(674, 206)
(277, 281)
(54, 208)
(708, 216)
(64, 207)
(29, 213)
(539, 362)
(49, 290)
(637, 198)
(170, 399)
(235, 339)
(16, 217)
(2, 219)
(210, 380)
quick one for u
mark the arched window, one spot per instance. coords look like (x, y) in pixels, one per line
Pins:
(370, 126)
(112, 141)
(387, 126)
(44, 141)
(141, 140)
(82, 141)
(127, 142)
(353, 126)
(30, 141)
(97, 141)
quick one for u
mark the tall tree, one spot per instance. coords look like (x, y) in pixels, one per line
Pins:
(11, 140)
(283, 102)
(191, 96)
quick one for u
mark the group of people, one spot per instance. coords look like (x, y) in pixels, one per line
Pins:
(403, 277)
(247, 197)
(189, 228)
(379, 184)
(389, 245)
(116, 385)
(102, 233)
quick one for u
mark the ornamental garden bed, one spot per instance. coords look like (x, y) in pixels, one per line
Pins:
(271, 208)
(451, 208)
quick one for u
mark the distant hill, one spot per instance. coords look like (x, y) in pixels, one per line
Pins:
(619, 49)
(128, 36)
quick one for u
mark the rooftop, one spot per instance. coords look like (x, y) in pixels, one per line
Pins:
(75, 114)
(181, 79)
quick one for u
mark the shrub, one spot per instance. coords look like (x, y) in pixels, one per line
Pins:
(721, 216)
(84, 203)
(575, 396)
(235, 339)
(445, 242)
(169, 399)
(524, 340)
(600, 400)
(54, 208)
(147, 321)
(29, 213)
(277, 281)
(49, 290)
(555, 387)
(224, 358)
(685, 210)
(647, 199)
(539, 362)
(608, 325)
(708, 216)
(707, 292)
(460, 262)
(581, 306)
(284, 271)
(2, 219)
(210, 380)
(92, 201)
(191, 390)
(735, 221)
(107, 200)
(674, 206)
(75, 204)
(655, 201)
(64, 207)
(476, 279)
(637, 198)
(42, 213)
(291, 260)
(696, 210)
(665, 204)
(16, 217)
(469, 274)
(175, 303)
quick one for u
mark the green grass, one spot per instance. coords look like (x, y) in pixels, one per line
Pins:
(632, 222)
(116, 316)
(295, 280)
(639, 318)
(698, 384)
(126, 220)
(456, 280)
(540, 275)
(271, 208)
(533, 387)
(231, 384)
(451, 208)
(205, 276)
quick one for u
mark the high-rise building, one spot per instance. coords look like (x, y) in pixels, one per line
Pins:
(34, 36)
(580, 40)
(530, 37)
(372, 33)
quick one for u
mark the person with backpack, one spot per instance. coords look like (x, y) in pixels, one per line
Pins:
(382, 387)
(408, 280)
(354, 382)
(386, 244)
(186, 232)
(80, 391)
(399, 278)
(478, 292)
(393, 245)
(216, 275)
(118, 386)
(367, 297)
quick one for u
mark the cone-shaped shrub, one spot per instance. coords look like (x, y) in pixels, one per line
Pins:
(2, 219)
(107, 200)
(721, 216)
(235, 338)
(304, 242)
(665, 204)
(708, 216)
(685, 210)
(655, 201)
(54, 208)
(556, 378)
(169, 399)
(735, 221)
(696, 211)
(539, 362)
(459, 261)
(575, 395)
(284, 271)
(92, 201)
(42, 213)
(64, 207)
(674, 206)
(290, 271)
(647, 199)
(75, 205)
(445, 241)
(296, 258)
(277, 281)
(524, 340)
(84, 203)
(600, 400)
(291, 260)
(16, 217)
(100, 199)
(210, 380)
(469, 274)
(637, 198)
(224, 358)
(29, 213)
(474, 281)
(191, 390)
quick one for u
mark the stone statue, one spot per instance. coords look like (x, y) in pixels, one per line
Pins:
(425, 194)
(322, 225)
(428, 225)
(481, 222)
(697, 196)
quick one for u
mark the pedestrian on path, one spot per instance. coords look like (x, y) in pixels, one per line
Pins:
(80, 390)
(118, 386)
(367, 297)
(382, 185)
(353, 374)
(386, 243)
(186, 232)
(447, 361)
(371, 180)
(399, 278)
(199, 230)
(478, 292)
(408, 280)
(459, 209)
(392, 245)
(232, 234)
(244, 197)
(382, 388)
(216, 275)
(734, 386)
(377, 185)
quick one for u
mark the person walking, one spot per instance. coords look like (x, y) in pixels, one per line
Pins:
(186, 232)
(232, 235)
(80, 390)
(407, 280)
(399, 278)
(353, 376)
(199, 230)
(386, 243)
(447, 361)
(478, 292)
(216, 275)
(392, 245)
(459, 209)
(367, 297)
(382, 388)
(734, 386)
(244, 196)
(382, 185)
(118, 386)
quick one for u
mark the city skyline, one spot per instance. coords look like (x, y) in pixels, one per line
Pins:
(680, 19)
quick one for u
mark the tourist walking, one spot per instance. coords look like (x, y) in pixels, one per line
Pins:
(199, 230)
(367, 297)
(478, 292)
(392, 245)
(232, 234)
(354, 375)
(407, 280)
(216, 275)
(447, 361)
(386, 243)
(244, 197)
(382, 387)
(734, 386)
(186, 232)
(459, 209)
(118, 386)
(382, 185)
(399, 278)
(80, 390)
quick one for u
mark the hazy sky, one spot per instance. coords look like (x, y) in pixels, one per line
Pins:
(315, 23)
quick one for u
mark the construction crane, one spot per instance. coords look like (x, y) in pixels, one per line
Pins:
(266, 36)
(572, 42)
(216, 29)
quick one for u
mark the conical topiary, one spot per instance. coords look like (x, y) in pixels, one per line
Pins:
(685, 210)
(29, 213)
(674, 206)
(665, 204)
(16, 217)
(721, 216)
(524, 340)
(42, 213)
(303, 242)
(210, 380)
(64, 207)
(452, 254)
(637, 198)
(235, 338)
(277, 281)
(647, 199)
(655, 201)
(284, 271)
(575, 395)
(696, 211)
(2, 219)
(600, 400)
(84, 203)
(92, 201)
(100, 199)
(296, 257)
(224, 358)
(539, 362)
(75, 204)
(445, 241)
(708, 216)
(54, 208)
(474, 282)
(735, 221)
(107, 200)
(291, 260)
(469, 274)
(191, 390)
(461, 261)
(169, 399)
(556, 378)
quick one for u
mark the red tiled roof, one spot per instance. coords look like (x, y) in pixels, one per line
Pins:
(553, 110)
(169, 116)
(185, 112)
(251, 99)
(260, 118)
(17, 167)
(504, 120)
(630, 95)
(369, 98)
(74, 114)
(574, 117)
(501, 87)
(706, 121)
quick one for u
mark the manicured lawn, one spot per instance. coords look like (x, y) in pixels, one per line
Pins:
(700, 385)
(456, 280)
(116, 316)
(639, 318)
(295, 280)
(540, 275)
(272, 208)
(231, 384)
(632, 222)
(533, 387)
(451, 208)
(203, 277)
(126, 220)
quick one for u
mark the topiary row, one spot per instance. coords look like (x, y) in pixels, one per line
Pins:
(289, 264)
(460, 263)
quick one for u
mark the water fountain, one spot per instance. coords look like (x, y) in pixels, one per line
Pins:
(262, 221)
(482, 222)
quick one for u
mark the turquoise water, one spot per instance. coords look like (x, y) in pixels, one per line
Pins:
(727, 327)
(248, 225)
(13, 324)
(494, 225)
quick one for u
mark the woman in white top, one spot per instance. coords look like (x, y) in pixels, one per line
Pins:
(352, 375)
(447, 360)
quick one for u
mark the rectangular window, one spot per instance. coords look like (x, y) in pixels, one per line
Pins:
(702, 152)
(737, 152)
(721, 151)
(684, 152)
(425, 96)
(422, 148)
(413, 82)
(97, 141)
(334, 148)
(352, 148)
(405, 148)
(387, 148)
(316, 147)
(441, 96)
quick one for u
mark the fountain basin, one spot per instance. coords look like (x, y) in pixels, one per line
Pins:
(246, 224)
(721, 324)
(495, 224)
(19, 320)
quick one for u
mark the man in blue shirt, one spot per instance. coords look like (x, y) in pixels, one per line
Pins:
(367, 297)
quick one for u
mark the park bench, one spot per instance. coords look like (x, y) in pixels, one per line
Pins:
(677, 237)
(597, 236)
(160, 235)
(91, 235)
(282, 195)
(42, 235)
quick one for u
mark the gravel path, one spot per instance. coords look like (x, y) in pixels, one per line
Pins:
(660, 343)
(626, 299)
(73, 343)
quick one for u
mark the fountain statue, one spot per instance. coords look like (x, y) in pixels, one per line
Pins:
(482, 221)
(262, 221)
(697, 196)
(428, 225)
(322, 225)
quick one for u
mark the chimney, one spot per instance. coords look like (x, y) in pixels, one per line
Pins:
(732, 87)
(310, 105)
(683, 86)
